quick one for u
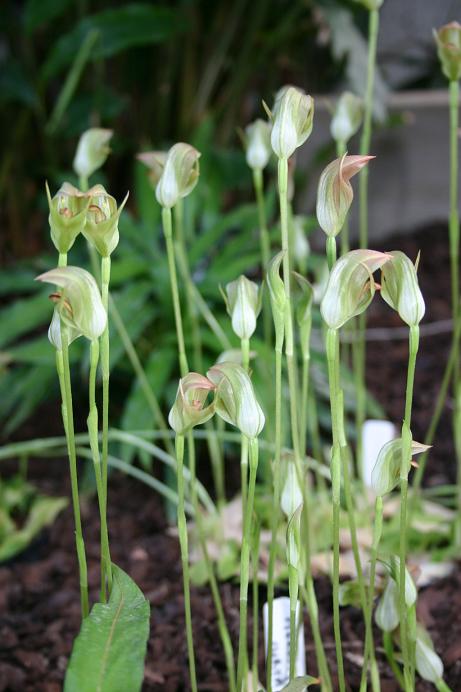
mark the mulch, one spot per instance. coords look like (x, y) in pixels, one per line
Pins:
(39, 599)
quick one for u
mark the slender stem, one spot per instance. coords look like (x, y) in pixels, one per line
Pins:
(92, 422)
(389, 651)
(105, 372)
(62, 362)
(245, 351)
(265, 243)
(183, 542)
(168, 233)
(377, 532)
(294, 411)
(404, 469)
(181, 256)
(245, 562)
(136, 364)
(293, 589)
(224, 633)
(255, 562)
(454, 235)
(215, 451)
(440, 403)
(336, 489)
(275, 513)
(359, 348)
(222, 626)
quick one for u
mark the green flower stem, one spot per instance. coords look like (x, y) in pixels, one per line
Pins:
(105, 372)
(359, 347)
(215, 451)
(245, 562)
(331, 251)
(63, 368)
(293, 590)
(222, 626)
(292, 384)
(245, 351)
(140, 373)
(332, 339)
(265, 243)
(255, 563)
(275, 513)
(439, 406)
(377, 532)
(389, 651)
(341, 451)
(454, 235)
(183, 542)
(93, 433)
(168, 233)
(404, 469)
(183, 265)
(183, 365)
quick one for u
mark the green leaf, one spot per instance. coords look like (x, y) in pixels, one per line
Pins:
(119, 29)
(300, 684)
(108, 654)
(38, 12)
(42, 513)
(24, 315)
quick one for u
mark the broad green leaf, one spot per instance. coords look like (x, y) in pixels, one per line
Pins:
(119, 29)
(42, 513)
(24, 315)
(108, 654)
(38, 12)
(300, 684)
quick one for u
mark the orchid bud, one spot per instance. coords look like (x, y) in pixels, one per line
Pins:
(304, 313)
(101, 229)
(350, 287)
(300, 243)
(411, 593)
(235, 399)
(387, 610)
(179, 176)
(400, 288)
(448, 39)
(293, 550)
(386, 471)
(243, 302)
(92, 151)
(293, 116)
(258, 144)
(428, 664)
(67, 216)
(334, 193)
(79, 303)
(291, 497)
(155, 162)
(347, 117)
(189, 407)
(277, 291)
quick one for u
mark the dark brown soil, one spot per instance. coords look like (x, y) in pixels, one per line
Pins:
(39, 600)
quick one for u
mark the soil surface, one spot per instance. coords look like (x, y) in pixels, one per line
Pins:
(39, 599)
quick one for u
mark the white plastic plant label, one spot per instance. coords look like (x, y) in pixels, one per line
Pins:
(281, 642)
(375, 434)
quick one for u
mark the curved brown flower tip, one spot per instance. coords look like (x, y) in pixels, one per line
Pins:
(189, 407)
(334, 194)
(155, 162)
